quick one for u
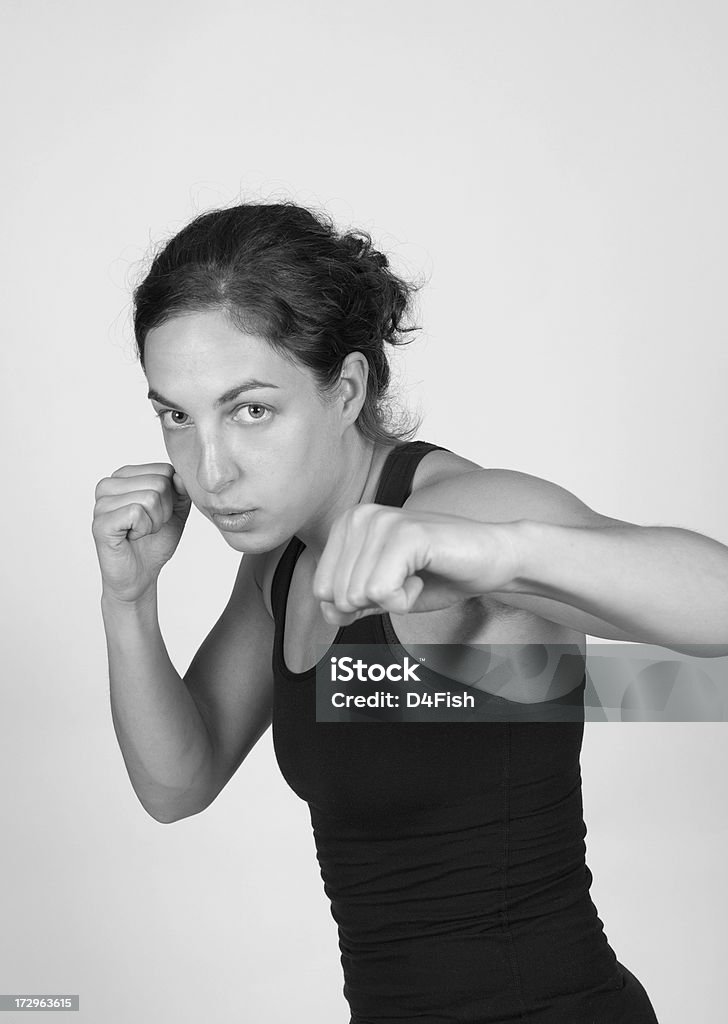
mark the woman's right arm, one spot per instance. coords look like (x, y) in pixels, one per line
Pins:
(181, 739)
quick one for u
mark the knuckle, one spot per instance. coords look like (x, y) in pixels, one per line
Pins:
(359, 514)
(159, 482)
(344, 597)
(385, 518)
(322, 589)
(378, 591)
(357, 596)
(101, 487)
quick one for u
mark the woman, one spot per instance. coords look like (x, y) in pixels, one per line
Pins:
(453, 854)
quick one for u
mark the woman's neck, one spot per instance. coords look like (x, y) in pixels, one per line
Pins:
(357, 485)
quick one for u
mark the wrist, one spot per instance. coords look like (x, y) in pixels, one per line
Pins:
(113, 606)
(521, 539)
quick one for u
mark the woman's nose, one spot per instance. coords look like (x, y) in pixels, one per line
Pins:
(215, 468)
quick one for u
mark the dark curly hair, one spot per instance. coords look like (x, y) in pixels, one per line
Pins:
(284, 273)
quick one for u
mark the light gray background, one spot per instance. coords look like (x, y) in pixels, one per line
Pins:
(557, 170)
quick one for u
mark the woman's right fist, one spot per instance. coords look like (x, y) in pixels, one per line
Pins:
(139, 516)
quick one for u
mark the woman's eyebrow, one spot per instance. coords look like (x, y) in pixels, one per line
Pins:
(247, 385)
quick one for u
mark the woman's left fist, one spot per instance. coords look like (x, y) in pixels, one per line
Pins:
(380, 558)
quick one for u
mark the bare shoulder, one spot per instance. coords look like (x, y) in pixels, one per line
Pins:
(438, 467)
(500, 495)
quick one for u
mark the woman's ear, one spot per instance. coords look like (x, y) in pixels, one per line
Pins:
(353, 385)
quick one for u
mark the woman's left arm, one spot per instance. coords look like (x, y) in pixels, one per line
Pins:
(646, 584)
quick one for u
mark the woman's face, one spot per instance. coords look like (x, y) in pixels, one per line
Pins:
(244, 427)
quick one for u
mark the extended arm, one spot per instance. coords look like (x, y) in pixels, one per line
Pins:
(602, 576)
(655, 584)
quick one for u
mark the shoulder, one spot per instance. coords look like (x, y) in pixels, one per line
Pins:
(500, 495)
(439, 466)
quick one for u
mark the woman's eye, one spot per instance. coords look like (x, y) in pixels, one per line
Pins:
(171, 422)
(257, 412)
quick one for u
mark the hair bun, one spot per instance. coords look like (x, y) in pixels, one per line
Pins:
(379, 258)
(360, 246)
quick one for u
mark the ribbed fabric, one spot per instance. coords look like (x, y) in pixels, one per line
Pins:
(453, 854)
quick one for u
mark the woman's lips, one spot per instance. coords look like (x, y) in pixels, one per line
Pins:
(233, 521)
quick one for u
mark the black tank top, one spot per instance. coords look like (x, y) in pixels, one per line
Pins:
(453, 854)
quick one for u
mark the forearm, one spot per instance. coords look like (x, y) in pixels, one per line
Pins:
(658, 583)
(163, 738)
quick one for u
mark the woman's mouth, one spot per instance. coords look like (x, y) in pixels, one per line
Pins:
(233, 521)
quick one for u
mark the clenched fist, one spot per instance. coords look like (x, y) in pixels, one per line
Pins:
(139, 516)
(381, 558)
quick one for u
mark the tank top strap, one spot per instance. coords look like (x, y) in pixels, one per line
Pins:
(395, 482)
(281, 582)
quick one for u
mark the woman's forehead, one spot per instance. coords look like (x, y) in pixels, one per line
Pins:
(210, 349)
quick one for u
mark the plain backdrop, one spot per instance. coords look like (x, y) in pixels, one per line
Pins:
(556, 172)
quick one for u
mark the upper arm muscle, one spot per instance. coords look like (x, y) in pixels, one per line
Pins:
(230, 677)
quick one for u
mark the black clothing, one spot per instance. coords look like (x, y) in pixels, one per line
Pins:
(453, 853)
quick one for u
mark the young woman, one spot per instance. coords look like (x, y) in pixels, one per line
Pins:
(453, 853)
